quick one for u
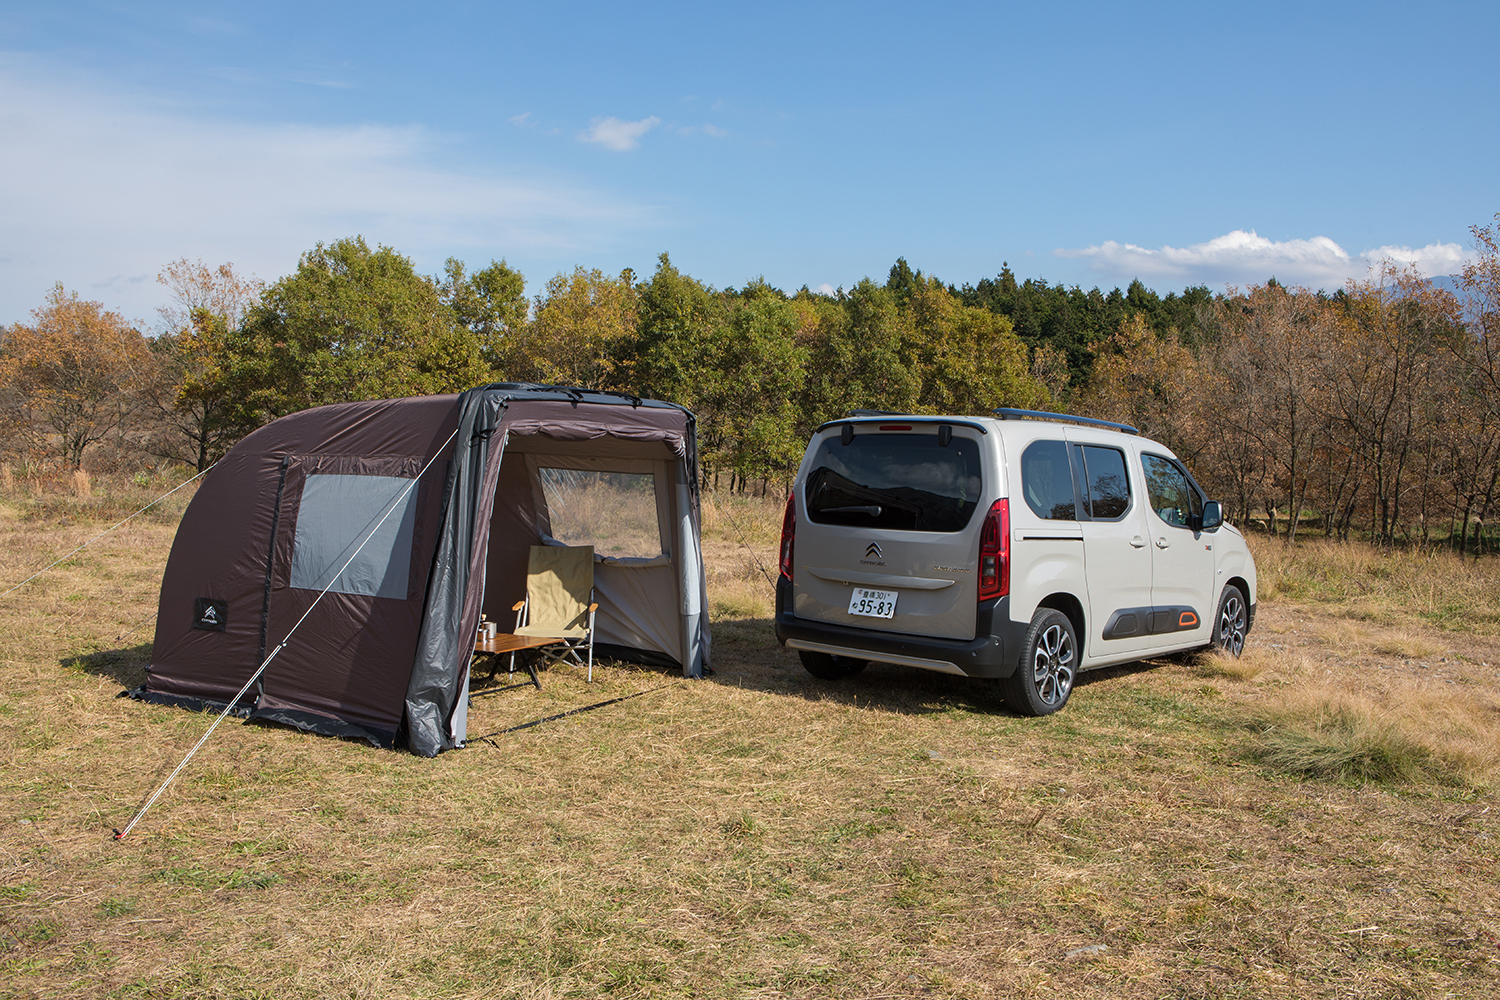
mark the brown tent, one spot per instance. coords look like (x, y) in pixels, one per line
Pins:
(383, 655)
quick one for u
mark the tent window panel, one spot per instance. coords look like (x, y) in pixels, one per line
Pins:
(615, 512)
(335, 516)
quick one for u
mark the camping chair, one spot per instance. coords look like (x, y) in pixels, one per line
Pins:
(557, 616)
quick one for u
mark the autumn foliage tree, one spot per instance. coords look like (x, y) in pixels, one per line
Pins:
(201, 414)
(72, 376)
(1374, 409)
(575, 336)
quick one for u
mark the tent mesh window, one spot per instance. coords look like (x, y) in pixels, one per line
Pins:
(337, 514)
(615, 512)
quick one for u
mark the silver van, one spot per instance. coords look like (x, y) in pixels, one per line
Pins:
(1024, 547)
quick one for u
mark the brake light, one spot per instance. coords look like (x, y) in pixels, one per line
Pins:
(994, 552)
(788, 529)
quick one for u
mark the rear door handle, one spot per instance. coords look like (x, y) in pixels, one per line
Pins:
(1138, 541)
(1162, 543)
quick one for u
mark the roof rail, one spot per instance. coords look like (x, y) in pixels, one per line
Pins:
(1007, 413)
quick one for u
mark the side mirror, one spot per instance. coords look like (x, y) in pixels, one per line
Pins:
(1213, 515)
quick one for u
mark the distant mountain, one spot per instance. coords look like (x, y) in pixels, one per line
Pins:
(1448, 283)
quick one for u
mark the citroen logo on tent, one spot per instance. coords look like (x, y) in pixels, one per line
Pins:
(210, 614)
(873, 552)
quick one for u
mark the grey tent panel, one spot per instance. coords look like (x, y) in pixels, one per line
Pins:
(336, 514)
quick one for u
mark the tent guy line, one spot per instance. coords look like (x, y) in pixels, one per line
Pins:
(394, 505)
(489, 737)
(106, 531)
(758, 564)
(498, 690)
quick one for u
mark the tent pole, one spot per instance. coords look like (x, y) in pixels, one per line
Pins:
(120, 834)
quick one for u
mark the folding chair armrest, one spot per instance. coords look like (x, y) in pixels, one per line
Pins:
(593, 608)
(518, 605)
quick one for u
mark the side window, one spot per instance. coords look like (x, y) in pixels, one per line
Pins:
(1108, 492)
(1172, 495)
(349, 539)
(1047, 481)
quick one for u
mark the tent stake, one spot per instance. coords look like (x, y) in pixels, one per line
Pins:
(120, 834)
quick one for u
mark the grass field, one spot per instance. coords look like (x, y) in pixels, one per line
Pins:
(1317, 819)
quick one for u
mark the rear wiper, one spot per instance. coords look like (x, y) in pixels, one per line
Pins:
(872, 510)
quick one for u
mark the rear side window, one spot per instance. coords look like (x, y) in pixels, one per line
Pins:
(896, 481)
(1172, 496)
(1108, 491)
(1047, 481)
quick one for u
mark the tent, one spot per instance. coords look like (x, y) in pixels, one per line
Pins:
(384, 655)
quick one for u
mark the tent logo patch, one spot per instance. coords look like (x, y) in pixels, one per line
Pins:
(210, 614)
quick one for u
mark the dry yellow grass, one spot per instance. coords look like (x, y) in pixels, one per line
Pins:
(1397, 586)
(757, 834)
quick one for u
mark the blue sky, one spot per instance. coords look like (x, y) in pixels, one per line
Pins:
(1084, 143)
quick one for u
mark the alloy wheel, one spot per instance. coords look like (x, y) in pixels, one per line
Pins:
(1232, 624)
(1052, 667)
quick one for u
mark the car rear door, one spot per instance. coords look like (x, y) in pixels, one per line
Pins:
(888, 520)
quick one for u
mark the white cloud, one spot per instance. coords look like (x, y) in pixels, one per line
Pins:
(1242, 258)
(1432, 260)
(715, 131)
(612, 133)
(825, 289)
(99, 189)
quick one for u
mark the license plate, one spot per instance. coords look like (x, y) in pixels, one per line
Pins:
(873, 603)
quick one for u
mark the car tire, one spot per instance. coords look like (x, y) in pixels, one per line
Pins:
(1232, 621)
(1049, 663)
(829, 667)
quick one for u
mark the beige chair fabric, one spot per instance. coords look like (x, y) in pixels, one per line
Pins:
(559, 590)
(560, 604)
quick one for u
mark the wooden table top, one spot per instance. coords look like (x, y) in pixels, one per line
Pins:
(503, 643)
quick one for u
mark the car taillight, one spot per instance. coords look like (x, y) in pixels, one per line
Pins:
(994, 552)
(788, 529)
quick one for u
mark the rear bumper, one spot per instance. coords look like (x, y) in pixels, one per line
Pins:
(993, 652)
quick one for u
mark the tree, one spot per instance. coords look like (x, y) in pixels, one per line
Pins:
(490, 303)
(1145, 381)
(73, 373)
(1271, 335)
(751, 405)
(671, 355)
(201, 414)
(218, 291)
(352, 323)
(580, 325)
(862, 357)
(1377, 365)
(969, 359)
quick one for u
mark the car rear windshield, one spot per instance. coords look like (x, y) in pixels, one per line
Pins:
(896, 481)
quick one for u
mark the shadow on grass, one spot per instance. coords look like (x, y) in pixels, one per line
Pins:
(127, 666)
(746, 654)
